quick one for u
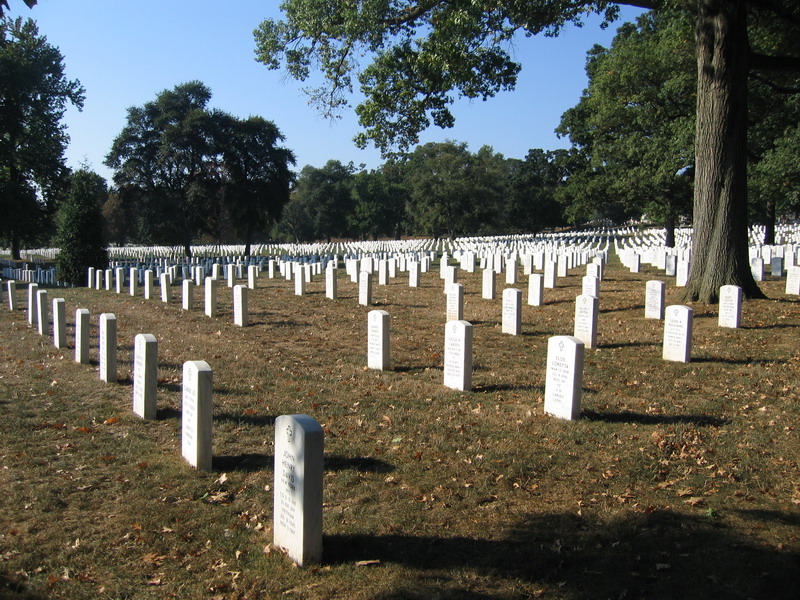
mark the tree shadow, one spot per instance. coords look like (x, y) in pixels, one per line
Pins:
(622, 308)
(732, 361)
(167, 412)
(246, 462)
(242, 419)
(335, 462)
(660, 554)
(627, 345)
(647, 419)
(506, 387)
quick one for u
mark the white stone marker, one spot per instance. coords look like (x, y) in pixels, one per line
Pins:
(42, 312)
(549, 274)
(298, 474)
(378, 353)
(792, 281)
(535, 289)
(109, 277)
(211, 297)
(11, 289)
(511, 271)
(564, 378)
(450, 273)
(458, 355)
(133, 280)
(119, 279)
(240, 314)
(231, 274)
(730, 306)
(590, 285)
(757, 268)
(164, 283)
(455, 302)
(299, 282)
(682, 273)
(252, 276)
(145, 370)
(196, 414)
(82, 336)
(364, 288)
(586, 312)
(654, 299)
(90, 277)
(98, 279)
(489, 286)
(511, 322)
(108, 348)
(383, 272)
(33, 288)
(187, 296)
(331, 290)
(59, 323)
(677, 333)
(148, 284)
(413, 274)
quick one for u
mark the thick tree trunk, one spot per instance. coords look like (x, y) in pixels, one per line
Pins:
(15, 249)
(719, 253)
(669, 226)
(769, 228)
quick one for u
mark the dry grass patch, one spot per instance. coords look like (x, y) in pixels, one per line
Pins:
(680, 480)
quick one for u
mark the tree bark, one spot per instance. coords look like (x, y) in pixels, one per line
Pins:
(720, 253)
(669, 226)
(769, 227)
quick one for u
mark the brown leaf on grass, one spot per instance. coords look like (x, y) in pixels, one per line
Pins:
(683, 492)
(84, 429)
(154, 581)
(695, 501)
(154, 559)
(111, 421)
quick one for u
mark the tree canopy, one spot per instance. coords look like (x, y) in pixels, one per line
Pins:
(421, 55)
(34, 94)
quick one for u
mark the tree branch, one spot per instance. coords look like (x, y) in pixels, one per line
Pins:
(778, 88)
(785, 64)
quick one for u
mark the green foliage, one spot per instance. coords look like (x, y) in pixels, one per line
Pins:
(379, 204)
(531, 203)
(188, 169)
(80, 235)
(34, 94)
(634, 124)
(420, 54)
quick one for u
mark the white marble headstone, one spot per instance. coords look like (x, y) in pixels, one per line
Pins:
(145, 369)
(196, 414)
(458, 355)
(564, 377)
(677, 345)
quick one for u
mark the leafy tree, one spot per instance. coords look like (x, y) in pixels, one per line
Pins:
(324, 195)
(378, 204)
(166, 162)
(635, 121)
(34, 94)
(256, 174)
(531, 203)
(80, 227)
(421, 52)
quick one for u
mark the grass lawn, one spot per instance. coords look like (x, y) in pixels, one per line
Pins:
(679, 480)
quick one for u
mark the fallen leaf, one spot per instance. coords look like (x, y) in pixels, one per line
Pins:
(111, 421)
(368, 563)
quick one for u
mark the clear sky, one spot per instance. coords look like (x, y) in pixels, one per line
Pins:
(124, 52)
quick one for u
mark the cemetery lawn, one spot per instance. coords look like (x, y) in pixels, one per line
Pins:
(679, 480)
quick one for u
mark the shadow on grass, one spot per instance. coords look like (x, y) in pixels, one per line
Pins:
(16, 586)
(734, 361)
(663, 554)
(628, 345)
(168, 413)
(622, 308)
(240, 419)
(645, 419)
(247, 462)
(334, 462)
(507, 387)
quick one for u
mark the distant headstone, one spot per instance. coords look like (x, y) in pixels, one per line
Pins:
(33, 288)
(671, 265)
(196, 414)
(240, 313)
(299, 283)
(331, 290)
(488, 285)
(586, 313)
(511, 271)
(757, 269)
(42, 312)
(90, 277)
(549, 274)
(145, 371)
(164, 284)
(730, 306)
(413, 273)
(252, 276)
(148, 284)
(82, 336)
(792, 281)
(511, 322)
(455, 302)
(187, 295)
(776, 265)
(365, 288)
(98, 279)
(654, 299)
(298, 475)
(561, 266)
(383, 272)
(458, 355)
(682, 273)
(450, 276)
(119, 279)
(109, 277)
(590, 285)
(564, 377)
(108, 347)
(211, 297)
(59, 323)
(536, 289)
(677, 344)
(378, 353)
(11, 290)
(133, 279)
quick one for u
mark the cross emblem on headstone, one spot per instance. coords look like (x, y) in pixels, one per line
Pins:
(560, 346)
(289, 433)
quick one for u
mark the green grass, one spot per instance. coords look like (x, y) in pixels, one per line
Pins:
(680, 480)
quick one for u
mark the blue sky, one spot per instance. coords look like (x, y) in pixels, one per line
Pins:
(124, 52)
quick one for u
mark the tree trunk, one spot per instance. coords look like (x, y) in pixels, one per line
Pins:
(15, 249)
(769, 228)
(719, 253)
(669, 226)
